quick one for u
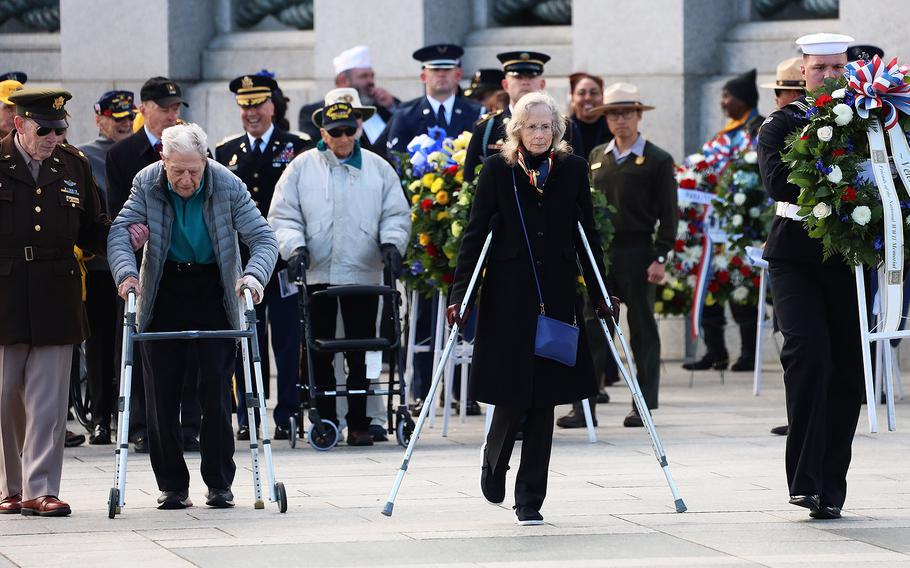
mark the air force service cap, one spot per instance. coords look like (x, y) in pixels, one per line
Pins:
(824, 44)
(44, 106)
(522, 62)
(439, 56)
(252, 90)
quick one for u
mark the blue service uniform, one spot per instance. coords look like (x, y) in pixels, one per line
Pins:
(416, 117)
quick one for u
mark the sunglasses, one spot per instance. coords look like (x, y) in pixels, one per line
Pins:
(45, 130)
(342, 131)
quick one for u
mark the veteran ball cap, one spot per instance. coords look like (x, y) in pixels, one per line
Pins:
(338, 114)
(439, 56)
(824, 44)
(522, 62)
(15, 76)
(864, 52)
(162, 91)
(484, 81)
(7, 88)
(44, 106)
(252, 90)
(116, 104)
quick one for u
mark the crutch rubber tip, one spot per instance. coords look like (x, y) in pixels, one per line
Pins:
(259, 504)
(680, 506)
(387, 511)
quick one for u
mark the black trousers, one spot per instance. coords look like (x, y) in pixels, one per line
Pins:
(101, 309)
(537, 441)
(713, 322)
(359, 316)
(628, 279)
(190, 301)
(823, 375)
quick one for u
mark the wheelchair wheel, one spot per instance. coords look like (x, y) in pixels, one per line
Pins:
(292, 427)
(327, 440)
(282, 495)
(113, 503)
(403, 432)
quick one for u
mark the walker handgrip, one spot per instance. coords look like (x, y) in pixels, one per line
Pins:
(131, 300)
(247, 296)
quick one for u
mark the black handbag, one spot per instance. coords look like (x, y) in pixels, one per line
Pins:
(554, 339)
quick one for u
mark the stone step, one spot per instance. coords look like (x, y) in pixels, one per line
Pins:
(36, 54)
(288, 55)
(762, 45)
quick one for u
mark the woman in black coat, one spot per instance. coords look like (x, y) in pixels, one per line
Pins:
(505, 371)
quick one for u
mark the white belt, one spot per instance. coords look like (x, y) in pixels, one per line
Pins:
(789, 210)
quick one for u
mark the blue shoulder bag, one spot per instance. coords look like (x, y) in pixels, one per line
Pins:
(555, 340)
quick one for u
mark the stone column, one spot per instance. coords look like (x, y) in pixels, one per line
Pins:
(882, 23)
(109, 44)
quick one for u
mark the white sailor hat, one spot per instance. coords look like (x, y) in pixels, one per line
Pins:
(355, 58)
(824, 43)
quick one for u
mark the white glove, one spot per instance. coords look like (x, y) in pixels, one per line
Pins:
(249, 281)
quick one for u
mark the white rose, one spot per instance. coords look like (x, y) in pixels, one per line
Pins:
(740, 294)
(751, 157)
(721, 262)
(839, 94)
(843, 114)
(696, 159)
(836, 175)
(861, 215)
(739, 198)
(825, 133)
(737, 220)
(755, 212)
(821, 210)
(690, 280)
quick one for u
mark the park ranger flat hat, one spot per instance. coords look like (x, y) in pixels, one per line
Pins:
(824, 44)
(252, 90)
(788, 77)
(621, 96)
(44, 106)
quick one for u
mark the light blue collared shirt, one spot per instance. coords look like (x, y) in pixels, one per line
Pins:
(265, 139)
(448, 105)
(153, 140)
(637, 148)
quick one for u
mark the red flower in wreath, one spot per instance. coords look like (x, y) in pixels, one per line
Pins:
(711, 179)
(849, 194)
(736, 261)
(692, 214)
(823, 100)
(756, 281)
(838, 152)
(722, 276)
(693, 229)
(687, 183)
(451, 170)
(745, 271)
(713, 287)
(426, 204)
(448, 277)
(680, 245)
(432, 250)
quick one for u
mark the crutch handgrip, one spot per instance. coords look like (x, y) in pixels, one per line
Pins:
(131, 300)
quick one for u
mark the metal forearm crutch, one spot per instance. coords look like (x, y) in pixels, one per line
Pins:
(631, 379)
(116, 499)
(437, 376)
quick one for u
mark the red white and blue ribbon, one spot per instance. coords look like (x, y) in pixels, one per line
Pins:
(876, 85)
(703, 275)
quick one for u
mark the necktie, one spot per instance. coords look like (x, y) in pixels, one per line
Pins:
(441, 118)
(257, 145)
(34, 167)
(158, 148)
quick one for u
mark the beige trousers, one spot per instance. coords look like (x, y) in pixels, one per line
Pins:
(34, 388)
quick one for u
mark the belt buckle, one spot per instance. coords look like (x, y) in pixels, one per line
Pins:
(29, 254)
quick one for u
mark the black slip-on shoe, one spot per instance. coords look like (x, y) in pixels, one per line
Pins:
(172, 500)
(219, 498)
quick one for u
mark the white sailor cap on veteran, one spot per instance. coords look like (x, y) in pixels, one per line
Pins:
(824, 44)
(355, 58)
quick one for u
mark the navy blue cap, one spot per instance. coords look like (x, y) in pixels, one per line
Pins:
(116, 104)
(15, 76)
(439, 56)
(522, 62)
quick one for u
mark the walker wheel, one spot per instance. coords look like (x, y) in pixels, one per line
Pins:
(113, 503)
(292, 427)
(282, 495)
(325, 441)
(403, 432)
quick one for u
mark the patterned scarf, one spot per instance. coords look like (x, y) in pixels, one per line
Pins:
(538, 177)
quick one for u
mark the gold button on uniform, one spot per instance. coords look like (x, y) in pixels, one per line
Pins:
(256, 176)
(38, 191)
(37, 209)
(255, 190)
(37, 227)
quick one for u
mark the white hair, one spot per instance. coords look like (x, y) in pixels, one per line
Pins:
(520, 118)
(184, 139)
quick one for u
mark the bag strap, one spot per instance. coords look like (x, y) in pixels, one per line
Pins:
(524, 230)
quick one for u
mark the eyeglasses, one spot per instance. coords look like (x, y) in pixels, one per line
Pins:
(617, 114)
(44, 131)
(342, 131)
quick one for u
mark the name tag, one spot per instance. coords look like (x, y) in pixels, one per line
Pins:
(596, 165)
(73, 200)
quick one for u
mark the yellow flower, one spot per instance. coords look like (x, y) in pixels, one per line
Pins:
(464, 198)
(658, 307)
(667, 294)
(423, 239)
(427, 180)
(438, 184)
(450, 254)
(456, 229)
(442, 215)
(413, 216)
(581, 280)
(709, 299)
(415, 198)
(462, 141)
(437, 157)
(459, 176)
(459, 156)
(414, 185)
(442, 198)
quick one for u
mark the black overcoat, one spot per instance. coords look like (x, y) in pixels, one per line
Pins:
(504, 369)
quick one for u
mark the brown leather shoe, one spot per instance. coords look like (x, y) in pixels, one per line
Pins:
(46, 506)
(11, 505)
(359, 438)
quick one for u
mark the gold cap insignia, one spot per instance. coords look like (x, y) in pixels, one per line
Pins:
(346, 99)
(525, 56)
(639, 160)
(58, 103)
(246, 82)
(171, 89)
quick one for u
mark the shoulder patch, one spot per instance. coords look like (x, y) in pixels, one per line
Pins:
(302, 135)
(228, 138)
(69, 149)
(799, 105)
(485, 117)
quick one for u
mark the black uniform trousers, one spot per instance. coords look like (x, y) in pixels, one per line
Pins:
(190, 300)
(823, 375)
(281, 315)
(713, 322)
(101, 309)
(628, 279)
(536, 443)
(358, 313)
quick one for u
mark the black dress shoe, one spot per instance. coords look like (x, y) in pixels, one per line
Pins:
(810, 502)
(743, 364)
(72, 439)
(492, 487)
(473, 409)
(781, 430)
(575, 418)
(528, 516)
(243, 433)
(826, 512)
(101, 436)
(603, 397)
(171, 500)
(707, 362)
(633, 420)
(219, 498)
(190, 443)
(378, 433)
(282, 432)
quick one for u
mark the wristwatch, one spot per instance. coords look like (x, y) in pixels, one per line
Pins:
(660, 259)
